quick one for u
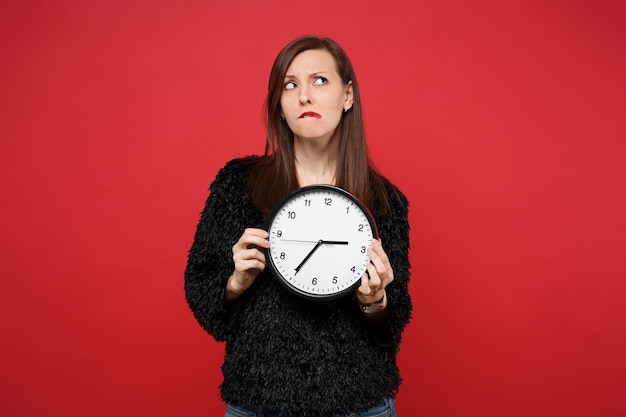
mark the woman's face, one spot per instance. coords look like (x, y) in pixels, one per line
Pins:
(314, 96)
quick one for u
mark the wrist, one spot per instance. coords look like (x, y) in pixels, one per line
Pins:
(233, 289)
(374, 306)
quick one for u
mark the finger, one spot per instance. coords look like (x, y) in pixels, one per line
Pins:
(249, 268)
(377, 251)
(256, 232)
(370, 283)
(374, 281)
(255, 242)
(377, 246)
(249, 254)
(252, 238)
(249, 265)
(377, 261)
(380, 259)
(251, 233)
(364, 288)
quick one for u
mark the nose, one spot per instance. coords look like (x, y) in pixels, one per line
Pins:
(304, 95)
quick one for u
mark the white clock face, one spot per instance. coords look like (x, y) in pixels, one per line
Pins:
(319, 238)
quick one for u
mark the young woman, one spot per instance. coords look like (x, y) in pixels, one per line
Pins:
(286, 356)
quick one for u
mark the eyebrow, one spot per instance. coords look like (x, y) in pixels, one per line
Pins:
(313, 74)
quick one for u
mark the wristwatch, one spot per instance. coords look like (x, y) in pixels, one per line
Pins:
(375, 306)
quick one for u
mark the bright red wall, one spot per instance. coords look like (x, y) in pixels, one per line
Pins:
(503, 122)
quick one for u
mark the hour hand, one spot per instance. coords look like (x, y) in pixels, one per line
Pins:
(320, 243)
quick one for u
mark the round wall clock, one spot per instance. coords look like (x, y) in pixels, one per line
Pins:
(319, 237)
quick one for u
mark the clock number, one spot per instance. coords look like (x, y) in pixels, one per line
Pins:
(353, 269)
(363, 249)
(291, 214)
(279, 233)
(328, 201)
(334, 280)
(314, 282)
(348, 210)
(282, 255)
(307, 203)
(360, 228)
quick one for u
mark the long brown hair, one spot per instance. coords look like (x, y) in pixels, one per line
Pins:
(273, 177)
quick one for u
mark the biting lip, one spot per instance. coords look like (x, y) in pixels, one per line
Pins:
(309, 114)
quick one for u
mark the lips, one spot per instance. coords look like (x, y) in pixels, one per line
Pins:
(309, 114)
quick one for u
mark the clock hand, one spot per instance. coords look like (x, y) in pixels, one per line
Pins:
(319, 243)
(330, 242)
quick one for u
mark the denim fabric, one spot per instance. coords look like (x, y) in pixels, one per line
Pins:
(386, 409)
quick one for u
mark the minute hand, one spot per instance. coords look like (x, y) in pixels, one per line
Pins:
(320, 243)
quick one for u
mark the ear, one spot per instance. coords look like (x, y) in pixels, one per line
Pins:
(347, 105)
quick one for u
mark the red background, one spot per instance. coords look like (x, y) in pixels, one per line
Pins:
(502, 121)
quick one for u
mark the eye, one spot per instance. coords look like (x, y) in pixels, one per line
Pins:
(290, 85)
(320, 81)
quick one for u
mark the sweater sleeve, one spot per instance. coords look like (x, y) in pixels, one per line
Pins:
(394, 233)
(210, 264)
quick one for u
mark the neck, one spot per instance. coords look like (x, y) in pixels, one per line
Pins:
(316, 164)
(316, 159)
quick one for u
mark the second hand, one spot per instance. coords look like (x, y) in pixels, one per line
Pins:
(299, 241)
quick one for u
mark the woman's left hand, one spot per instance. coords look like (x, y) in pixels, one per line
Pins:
(379, 274)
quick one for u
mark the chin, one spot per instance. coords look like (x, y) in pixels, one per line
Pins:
(312, 135)
(316, 134)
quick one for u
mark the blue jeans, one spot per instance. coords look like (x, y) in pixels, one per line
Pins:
(386, 409)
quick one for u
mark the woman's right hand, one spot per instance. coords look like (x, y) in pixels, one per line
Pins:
(249, 261)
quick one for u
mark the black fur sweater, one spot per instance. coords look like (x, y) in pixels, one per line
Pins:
(285, 354)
